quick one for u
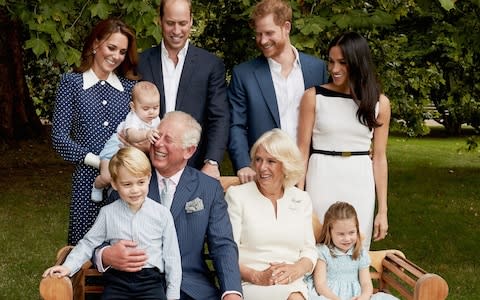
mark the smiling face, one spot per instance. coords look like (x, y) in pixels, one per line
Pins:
(269, 171)
(110, 53)
(338, 68)
(131, 188)
(272, 39)
(168, 155)
(176, 24)
(344, 234)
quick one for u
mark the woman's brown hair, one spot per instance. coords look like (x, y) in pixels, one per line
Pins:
(101, 32)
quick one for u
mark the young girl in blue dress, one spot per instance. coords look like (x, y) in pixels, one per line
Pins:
(342, 271)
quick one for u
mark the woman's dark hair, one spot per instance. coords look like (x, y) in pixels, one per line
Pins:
(101, 32)
(364, 86)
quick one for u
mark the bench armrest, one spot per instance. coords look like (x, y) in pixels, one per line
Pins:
(52, 288)
(398, 273)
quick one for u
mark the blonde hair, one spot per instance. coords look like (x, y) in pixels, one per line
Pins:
(336, 212)
(146, 89)
(281, 10)
(132, 159)
(192, 131)
(282, 147)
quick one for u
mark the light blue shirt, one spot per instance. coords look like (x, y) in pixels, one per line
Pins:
(151, 227)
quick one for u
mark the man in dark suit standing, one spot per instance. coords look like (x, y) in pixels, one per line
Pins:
(199, 210)
(189, 79)
(265, 93)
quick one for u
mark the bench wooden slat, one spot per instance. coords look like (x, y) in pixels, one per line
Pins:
(392, 283)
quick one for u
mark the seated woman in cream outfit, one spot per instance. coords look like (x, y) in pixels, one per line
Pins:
(272, 222)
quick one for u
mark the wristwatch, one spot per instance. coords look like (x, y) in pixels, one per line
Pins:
(210, 162)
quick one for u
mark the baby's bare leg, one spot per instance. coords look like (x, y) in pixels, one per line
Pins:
(104, 179)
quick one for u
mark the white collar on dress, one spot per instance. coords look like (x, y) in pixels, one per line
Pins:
(337, 252)
(90, 79)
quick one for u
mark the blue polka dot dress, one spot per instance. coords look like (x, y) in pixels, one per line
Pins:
(83, 120)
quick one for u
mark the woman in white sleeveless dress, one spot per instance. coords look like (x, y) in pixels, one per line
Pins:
(347, 122)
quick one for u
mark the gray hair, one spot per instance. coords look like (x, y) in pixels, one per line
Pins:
(191, 129)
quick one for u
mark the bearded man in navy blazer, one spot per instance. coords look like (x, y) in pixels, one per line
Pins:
(199, 210)
(265, 93)
(189, 79)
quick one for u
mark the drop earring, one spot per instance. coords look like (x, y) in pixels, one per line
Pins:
(94, 51)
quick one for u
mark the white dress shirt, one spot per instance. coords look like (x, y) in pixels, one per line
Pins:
(171, 75)
(289, 91)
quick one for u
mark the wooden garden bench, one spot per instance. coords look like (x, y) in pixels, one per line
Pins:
(391, 272)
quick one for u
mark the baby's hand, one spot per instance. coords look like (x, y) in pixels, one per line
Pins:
(152, 135)
(57, 271)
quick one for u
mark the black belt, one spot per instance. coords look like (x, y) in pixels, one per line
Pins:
(340, 153)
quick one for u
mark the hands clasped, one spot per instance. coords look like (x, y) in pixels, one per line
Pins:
(278, 273)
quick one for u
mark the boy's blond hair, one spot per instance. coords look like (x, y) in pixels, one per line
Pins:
(132, 159)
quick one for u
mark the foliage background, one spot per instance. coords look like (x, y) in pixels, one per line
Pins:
(426, 51)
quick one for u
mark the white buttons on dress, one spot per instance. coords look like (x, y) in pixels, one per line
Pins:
(102, 82)
(105, 123)
(104, 102)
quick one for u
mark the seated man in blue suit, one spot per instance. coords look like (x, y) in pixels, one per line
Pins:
(265, 93)
(199, 210)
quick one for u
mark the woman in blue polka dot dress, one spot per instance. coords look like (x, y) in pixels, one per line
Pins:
(90, 103)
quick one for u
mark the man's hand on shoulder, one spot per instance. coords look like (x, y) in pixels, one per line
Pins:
(246, 174)
(124, 256)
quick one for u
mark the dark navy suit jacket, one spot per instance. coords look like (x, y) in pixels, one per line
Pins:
(212, 222)
(201, 93)
(253, 103)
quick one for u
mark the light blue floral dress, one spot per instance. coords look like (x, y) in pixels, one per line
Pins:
(342, 274)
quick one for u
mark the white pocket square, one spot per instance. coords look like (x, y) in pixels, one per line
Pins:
(194, 205)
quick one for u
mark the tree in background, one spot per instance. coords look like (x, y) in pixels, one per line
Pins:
(426, 51)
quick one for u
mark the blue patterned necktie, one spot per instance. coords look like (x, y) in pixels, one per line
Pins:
(166, 194)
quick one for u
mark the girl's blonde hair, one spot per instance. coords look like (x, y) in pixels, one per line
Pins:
(132, 159)
(336, 212)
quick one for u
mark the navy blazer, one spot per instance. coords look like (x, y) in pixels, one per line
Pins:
(201, 93)
(253, 103)
(211, 222)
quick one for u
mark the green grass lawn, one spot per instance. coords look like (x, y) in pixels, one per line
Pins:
(433, 212)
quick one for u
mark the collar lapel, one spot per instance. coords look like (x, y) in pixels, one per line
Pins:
(265, 82)
(153, 192)
(155, 63)
(188, 69)
(183, 193)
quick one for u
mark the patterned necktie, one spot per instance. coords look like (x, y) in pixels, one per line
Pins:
(166, 194)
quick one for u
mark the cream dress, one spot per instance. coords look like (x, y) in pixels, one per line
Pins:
(335, 178)
(263, 238)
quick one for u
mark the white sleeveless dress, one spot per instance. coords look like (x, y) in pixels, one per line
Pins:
(335, 178)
